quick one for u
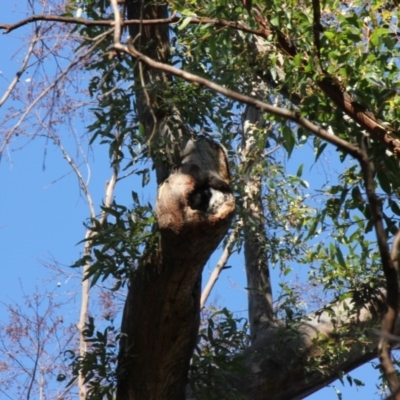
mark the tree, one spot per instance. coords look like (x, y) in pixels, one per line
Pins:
(187, 68)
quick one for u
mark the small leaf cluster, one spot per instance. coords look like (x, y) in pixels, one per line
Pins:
(98, 365)
(216, 355)
(119, 241)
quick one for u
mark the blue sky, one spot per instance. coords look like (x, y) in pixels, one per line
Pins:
(42, 212)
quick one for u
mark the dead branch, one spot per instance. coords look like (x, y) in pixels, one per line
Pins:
(220, 265)
(64, 73)
(21, 70)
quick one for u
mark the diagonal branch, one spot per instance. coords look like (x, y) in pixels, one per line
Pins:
(221, 265)
(356, 111)
(260, 105)
(388, 267)
(359, 113)
(64, 73)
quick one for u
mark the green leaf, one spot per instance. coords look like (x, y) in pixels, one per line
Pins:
(185, 23)
(299, 172)
(377, 34)
(289, 139)
(339, 256)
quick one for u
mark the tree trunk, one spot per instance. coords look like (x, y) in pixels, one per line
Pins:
(161, 317)
(259, 289)
(194, 209)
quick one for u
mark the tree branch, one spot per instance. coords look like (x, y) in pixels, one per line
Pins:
(220, 265)
(389, 271)
(333, 90)
(389, 266)
(154, 21)
(22, 68)
(117, 21)
(81, 56)
(281, 353)
(289, 115)
(194, 209)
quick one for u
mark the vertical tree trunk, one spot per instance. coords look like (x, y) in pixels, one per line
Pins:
(194, 209)
(255, 238)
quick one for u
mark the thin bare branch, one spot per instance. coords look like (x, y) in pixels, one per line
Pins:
(22, 68)
(108, 198)
(220, 265)
(63, 74)
(83, 185)
(172, 19)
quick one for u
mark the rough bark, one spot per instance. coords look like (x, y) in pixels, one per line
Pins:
(161, 317)
(194, 209)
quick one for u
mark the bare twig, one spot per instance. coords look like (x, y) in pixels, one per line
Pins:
(63, 74)
(220, 265)
(83, 185)
(22, 68)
